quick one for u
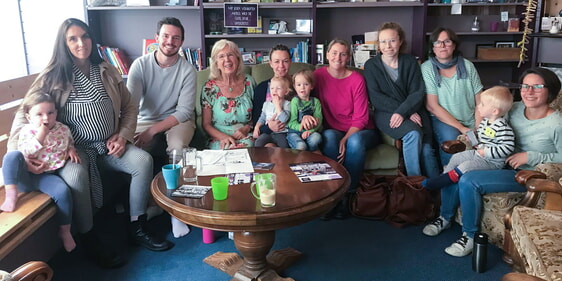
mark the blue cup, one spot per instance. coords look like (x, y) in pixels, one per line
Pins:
(171, 174)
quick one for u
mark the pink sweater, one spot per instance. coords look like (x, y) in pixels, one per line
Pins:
(344, 101)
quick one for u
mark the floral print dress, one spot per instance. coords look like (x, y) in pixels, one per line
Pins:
(229, 114)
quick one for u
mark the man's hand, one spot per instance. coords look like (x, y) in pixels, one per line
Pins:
(116, 145)
(143, 139)
(305, 134)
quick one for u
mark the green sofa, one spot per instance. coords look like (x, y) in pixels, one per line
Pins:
(381, 160)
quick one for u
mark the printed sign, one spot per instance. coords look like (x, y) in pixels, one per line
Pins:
(240, 15)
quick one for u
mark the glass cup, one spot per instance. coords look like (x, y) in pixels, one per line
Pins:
(171, 174)
(264, 189)
(219, 186)
(189, 163)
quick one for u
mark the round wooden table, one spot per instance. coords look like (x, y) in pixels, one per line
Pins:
(254, 226)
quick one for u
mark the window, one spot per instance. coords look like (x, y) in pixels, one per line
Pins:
(30, 27)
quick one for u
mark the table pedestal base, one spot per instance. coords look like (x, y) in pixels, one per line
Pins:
(257, 264)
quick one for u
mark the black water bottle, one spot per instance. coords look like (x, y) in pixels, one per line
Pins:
(480, 252)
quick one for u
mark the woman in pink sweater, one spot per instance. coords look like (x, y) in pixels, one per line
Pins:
(348, 128)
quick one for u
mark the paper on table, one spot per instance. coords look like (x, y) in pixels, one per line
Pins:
(221, 162)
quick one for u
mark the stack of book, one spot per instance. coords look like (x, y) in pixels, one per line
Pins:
(116, 57)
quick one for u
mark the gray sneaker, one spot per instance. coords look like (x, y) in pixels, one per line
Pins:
(436, 226)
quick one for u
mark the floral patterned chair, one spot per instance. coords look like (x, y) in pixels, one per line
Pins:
(533, 230)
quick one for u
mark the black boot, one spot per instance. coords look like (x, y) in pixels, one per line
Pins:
(342, 209)
(100, 253)
(141, 237)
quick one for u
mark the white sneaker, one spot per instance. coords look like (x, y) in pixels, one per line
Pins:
(436, 226)
(461, 247)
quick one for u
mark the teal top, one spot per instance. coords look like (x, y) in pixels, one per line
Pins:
(294, 124)
(455, 95)
(229, 114)
(541, 138)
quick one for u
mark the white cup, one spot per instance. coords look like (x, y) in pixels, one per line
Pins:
(189, 164)
(264, 189)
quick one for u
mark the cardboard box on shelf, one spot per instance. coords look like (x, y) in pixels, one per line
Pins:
(498, 53)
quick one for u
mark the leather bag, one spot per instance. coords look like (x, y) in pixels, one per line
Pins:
(400, 200)
(371, 197)
(409, 202)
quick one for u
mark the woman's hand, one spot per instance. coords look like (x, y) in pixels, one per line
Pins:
(116, 145)
(308, 122)
(416, 118)
(517, 159)
(227, 142)
(35, 166)
(276, 125)
(396, 120)
(73, 154)
(242, 132)
(341, 156)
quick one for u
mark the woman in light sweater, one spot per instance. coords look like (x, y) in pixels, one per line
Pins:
(538, 139)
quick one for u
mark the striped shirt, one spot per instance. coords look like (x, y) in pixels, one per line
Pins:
(88, 111)
(497, 139)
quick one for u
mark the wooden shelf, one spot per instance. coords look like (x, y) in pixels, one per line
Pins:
(276, 5)
(481, 4)
(257, 35)
(546, 35)
(122, 8)
(382, 4)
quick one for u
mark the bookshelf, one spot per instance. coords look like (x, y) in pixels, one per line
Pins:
(126, 27)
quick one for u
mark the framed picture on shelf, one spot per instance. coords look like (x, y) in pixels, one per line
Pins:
(505, 44)
(249, 57)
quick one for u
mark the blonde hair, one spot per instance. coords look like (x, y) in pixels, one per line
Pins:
(34, 98)
(286, 82)
(499, 97)
(307, 74)
(219, 46)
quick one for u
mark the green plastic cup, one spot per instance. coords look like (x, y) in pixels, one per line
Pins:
(219, 186)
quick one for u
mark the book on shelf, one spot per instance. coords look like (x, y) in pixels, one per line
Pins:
(320, 53)
(115, 57)
(149, 46)
(300, 52)
(314, 171)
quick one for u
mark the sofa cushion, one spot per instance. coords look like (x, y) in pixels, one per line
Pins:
(537, 236)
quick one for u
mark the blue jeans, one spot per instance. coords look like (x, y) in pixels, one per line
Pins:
(15, 172)
(355, 150)
(443, 132)
(311, 143)
(468, 193)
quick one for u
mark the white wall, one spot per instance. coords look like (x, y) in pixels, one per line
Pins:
(40, 20)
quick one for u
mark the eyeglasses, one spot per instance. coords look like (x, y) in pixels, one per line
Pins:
(535, 87)
(447, 43)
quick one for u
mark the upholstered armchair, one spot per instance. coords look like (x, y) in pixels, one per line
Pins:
(533, 229)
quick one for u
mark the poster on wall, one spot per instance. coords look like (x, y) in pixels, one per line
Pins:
(240, 14)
